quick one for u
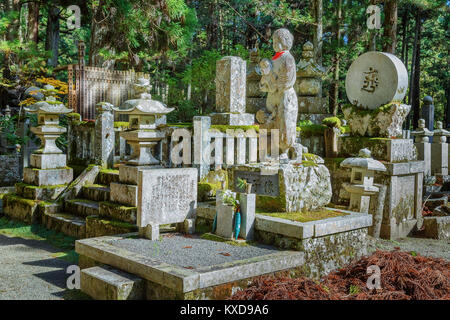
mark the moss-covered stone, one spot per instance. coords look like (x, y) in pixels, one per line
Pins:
(224, 128)
(305, 216)
(21, 209)
(97, 227)
(118, 212)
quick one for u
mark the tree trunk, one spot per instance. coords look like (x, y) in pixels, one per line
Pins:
(33, 22)
(404, 37)
(317, 9)
(13, 29)
(334, 90)
(52, 35)
(415, 98)
(373, 33)
(390, 26)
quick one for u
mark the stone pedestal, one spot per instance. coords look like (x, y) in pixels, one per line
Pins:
(225, 221)
(104, 136)
(231, 93)
(286, 187)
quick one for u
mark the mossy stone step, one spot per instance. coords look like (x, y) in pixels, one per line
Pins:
(105, 177)
(107, 283)
(82, 207)
(20, 208)
(97, 227)
(65, 223)
(33, 192)
(95, 192)
(118, 212)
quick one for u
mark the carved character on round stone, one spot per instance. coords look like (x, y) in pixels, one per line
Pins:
(278, 79)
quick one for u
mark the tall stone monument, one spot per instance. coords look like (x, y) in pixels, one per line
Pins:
(231, 93)
(283, 183)
(311, 105)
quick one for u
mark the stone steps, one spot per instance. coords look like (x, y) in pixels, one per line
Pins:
(107, 283)
(82, 207)
(105, 177)
(68, 224)
(95, 192)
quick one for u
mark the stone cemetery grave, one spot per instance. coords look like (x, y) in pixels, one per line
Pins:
(197, 211)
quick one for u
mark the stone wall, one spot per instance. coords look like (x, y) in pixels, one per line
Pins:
(9, 169)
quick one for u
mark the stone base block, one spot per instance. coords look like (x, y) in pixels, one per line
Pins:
(106, 283)
(98, 227)
(81, 207)
(233, 119)
(95, 192)
(22, 209)
(47, 177)
(150, 232)
(398, 230)
(225, 221)
(119, 212)
(391, 150)
(187, 227)
(39, 192)
(385, 121)
(129, 174)
(48, 161)
(65, 223)
(437, 227)
(286, 187)
(124, 193)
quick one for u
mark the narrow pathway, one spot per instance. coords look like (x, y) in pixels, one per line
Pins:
(30, 270)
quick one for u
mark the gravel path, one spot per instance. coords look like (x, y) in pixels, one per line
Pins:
(192, 252)
(28, 271)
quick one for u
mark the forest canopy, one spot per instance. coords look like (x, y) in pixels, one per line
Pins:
(178, 42)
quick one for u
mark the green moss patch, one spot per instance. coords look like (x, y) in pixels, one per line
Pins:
(121, 124)
(224, 128)
(305, 216)
(213, 237)
(310, 130)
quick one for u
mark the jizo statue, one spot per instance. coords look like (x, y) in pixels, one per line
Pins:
(278, 79)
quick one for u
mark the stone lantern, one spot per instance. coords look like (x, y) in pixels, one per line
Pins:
(48, 156)
(145, 116)
(361, 185)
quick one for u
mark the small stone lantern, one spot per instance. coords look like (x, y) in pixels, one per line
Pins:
(361, 185)
(145, 116)
(440, 133)
(48, 156)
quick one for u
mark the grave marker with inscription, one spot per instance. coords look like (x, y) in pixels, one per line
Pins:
(166, 196)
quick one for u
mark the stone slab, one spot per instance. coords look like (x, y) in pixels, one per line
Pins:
(47, 177)
(98, 227)
(48, 161)
(65, 223)
(106, 283)
(233, 119)
(19, 208)
(118, 212)
(166, 195)
(342, 224)
(403, 168)
(285, 227)
(179, 278)
(124, 193)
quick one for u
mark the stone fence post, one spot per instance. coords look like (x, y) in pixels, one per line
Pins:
(201, 141)
(423, 145)
(104, 135)
(439, 151)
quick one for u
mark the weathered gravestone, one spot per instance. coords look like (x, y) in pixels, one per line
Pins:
(231, 93)
(165, 196)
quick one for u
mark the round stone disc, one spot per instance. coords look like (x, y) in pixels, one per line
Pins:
(375, 79)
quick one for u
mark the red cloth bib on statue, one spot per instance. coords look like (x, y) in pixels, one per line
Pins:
(277, 55)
